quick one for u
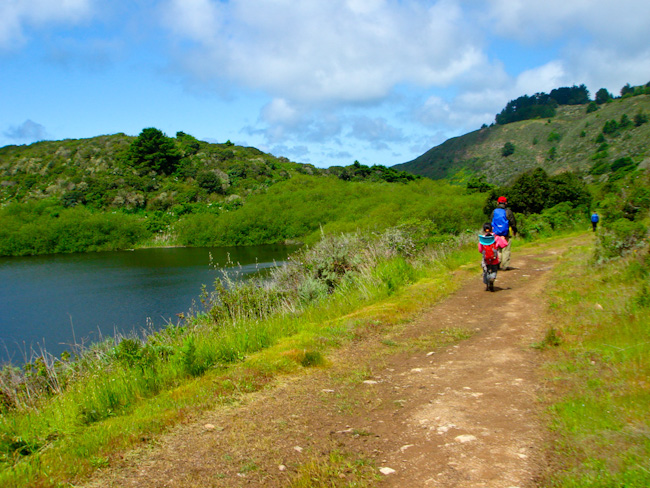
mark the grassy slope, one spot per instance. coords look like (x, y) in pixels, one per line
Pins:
(598, 365)
(480, 151)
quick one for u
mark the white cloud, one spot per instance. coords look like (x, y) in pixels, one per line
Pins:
(282, 120)
(335, 51)
(463, 113)
(280, 111)
(197, 20)
(541, 79)
(608, 68)
(27, 131)
(375, 129)
(621, 21)
(17, 15)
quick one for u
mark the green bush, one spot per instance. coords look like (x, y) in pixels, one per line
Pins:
(304, 207)
(619, 238)
(507, 149)
(44, 227)
(553, 136)
(562, 216)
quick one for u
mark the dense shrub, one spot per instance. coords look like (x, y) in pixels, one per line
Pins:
(44, 228)
(534, 191)
(619, 238)
(560, 217)
(507, 149)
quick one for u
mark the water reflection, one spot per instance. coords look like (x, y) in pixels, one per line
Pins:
(53, 301)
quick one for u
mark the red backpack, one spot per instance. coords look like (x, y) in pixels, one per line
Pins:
(490, 254)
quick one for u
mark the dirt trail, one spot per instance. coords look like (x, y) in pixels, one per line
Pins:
(466, 415)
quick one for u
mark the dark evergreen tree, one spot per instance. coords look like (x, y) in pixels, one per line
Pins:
(527, 107)
(507, 149)
(640, 118)
(603, 96)
(152, 150)
(575, 95)
(627, 90)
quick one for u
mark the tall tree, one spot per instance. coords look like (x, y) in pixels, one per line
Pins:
(627, 89)
(603, 96)
(152, 150)
(575, 95)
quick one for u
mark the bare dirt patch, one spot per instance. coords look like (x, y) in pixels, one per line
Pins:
(463, 415)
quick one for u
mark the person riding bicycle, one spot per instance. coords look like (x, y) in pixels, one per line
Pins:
(489, 245)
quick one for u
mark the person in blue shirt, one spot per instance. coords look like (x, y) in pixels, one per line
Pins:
(503, 222)
(594, 221)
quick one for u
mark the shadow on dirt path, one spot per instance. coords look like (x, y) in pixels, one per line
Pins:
(464, 415)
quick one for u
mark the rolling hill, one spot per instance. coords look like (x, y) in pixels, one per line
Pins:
(573, 140)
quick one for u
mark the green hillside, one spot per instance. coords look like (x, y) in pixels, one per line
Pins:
(575, 139)
(101, 173)
(116, 192)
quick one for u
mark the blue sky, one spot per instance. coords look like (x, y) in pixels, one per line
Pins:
(324, 82)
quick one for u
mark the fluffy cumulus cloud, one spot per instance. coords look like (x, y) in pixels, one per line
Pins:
(601, 40)
(16, 16)
(375, 130)
(335, 51)
(324, 63)
(620, 21)
(281, 120)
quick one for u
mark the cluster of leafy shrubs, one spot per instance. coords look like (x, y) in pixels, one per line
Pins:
(360, 172)
(544, 204)
(624, 204)
(535, 191)
(300, 208)
(305, 207)
(543, 105)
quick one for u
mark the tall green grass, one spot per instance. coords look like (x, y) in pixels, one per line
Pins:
(599, 370)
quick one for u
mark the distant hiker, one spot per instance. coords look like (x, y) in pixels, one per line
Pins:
(503, 220)
(594, 220)
(489, 245)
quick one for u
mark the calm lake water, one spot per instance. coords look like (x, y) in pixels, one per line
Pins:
(57, 300)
